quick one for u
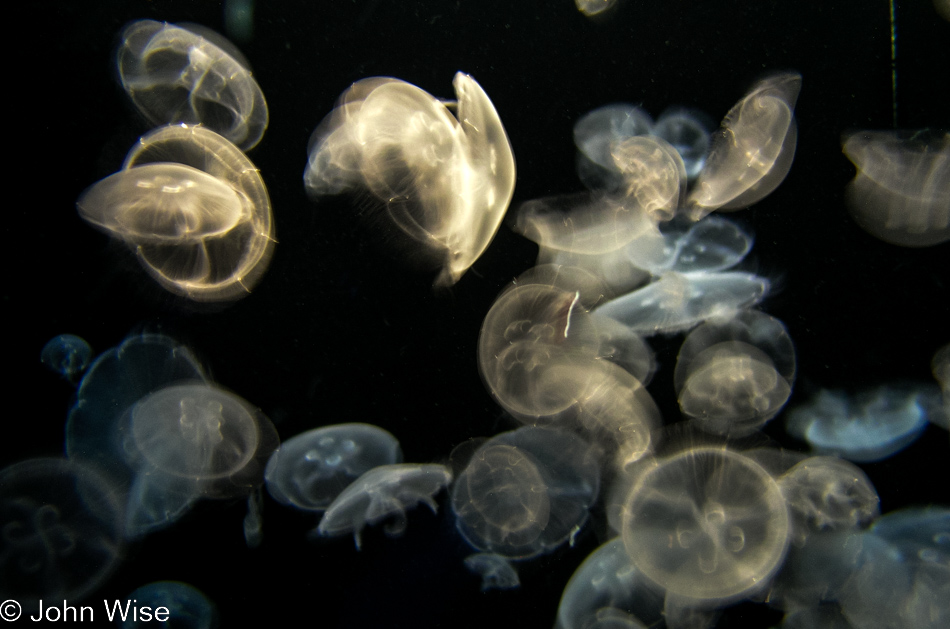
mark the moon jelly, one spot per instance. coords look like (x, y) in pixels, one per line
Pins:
(66, 354)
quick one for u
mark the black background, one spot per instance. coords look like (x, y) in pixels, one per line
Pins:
(340, 330)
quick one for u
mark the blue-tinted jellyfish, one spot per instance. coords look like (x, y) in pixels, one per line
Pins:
(870, 426)
(193, 76)
(61, 530)
(901, 192)
(66, 354)
(384, 493)
(688, 131)
(185, 606)
(496, 571)
(708, 525)
(525, 492)
(311, 469)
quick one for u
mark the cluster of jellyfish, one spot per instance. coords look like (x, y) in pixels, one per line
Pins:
(700, 515)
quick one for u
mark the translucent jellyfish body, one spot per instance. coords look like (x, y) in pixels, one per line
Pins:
(525, 492)
(384, 493)
(445, 180)
(734, 375)
(311, 469)
(901, 192)
(870, 426)
(193, 208)
(185, 75)
(185, 605)
(496, 571)
(707, 524)
(60, 530)
(66, 354)
(754, 149)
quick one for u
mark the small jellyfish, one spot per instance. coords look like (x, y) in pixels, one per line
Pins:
(525, 492)
(193, 76)
(653, 172)
(594, 134)
(708, 525)
(384, 493)
(688, 131)
(496, 571)
(867, 427)
(754, 149)
(445, 180)
(194, 210)
(68, 355)
(60, 530)
(901, 192)
(827, 493)
(183, 606)
(592, 8)
(311, 469)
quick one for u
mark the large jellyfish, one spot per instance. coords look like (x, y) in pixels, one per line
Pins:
(194, 210)
(194, 76)
(445, 180)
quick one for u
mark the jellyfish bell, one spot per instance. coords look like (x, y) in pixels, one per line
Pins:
(444, 180)
(66, 354)
(654, 174)
(193, 76)
(185, 605)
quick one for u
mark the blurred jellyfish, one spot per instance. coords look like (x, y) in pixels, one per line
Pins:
(688, 131)
(653, 172)
(444, 180)
(193, 208)
(870, 426)
(901, 192)
(60, 530)
(496, 571)
(753, 151)
(940, 365)
(733, 375)
(311, 469)
(66, 354)
(192, 76)
(816, 569)
(384, 493)
(191, 441)
(607, 585)
(709, 525)
(525, 492)
(592, 8)
(710, 245)
(819, 617)
(187, 607)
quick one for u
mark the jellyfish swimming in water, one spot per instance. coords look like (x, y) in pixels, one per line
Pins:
(184, 606)
(445, 180)
(191, 75)
(68, 355)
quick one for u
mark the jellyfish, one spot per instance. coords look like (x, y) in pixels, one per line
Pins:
(445, 180)
(61, 530)
(66, 354)
(869, 426)
(735, 374)
(194, 210)
(526, 492)
(654, 175)
(707, 524)
(688, 131)
(594, 8)
(384, 493)
(311, 469)
(901, 192)
(754, 149)
(193, 76)
(184, 605)
(940, 366)
(496, 571)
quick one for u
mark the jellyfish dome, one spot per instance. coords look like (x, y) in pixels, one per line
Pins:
(311, 469)
(707, 524)
(66, 354)
(185, 606)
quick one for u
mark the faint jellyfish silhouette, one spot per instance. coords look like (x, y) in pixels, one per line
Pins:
(444, 180)
(607, 585)
(193, 76)
(66, 354)
(709, 525)
(754, 149)
(311, 469)
(594, 135)
(193, 208)
(735, 374)
(688, 131)
(525, 492)
(710, 245)
(901, 192)
(866, 427)
(192, 441)
(186, 606)
(60, 530)
(384, 493)
(940, 366)
(818, 617)
(496, 571)
(594, 8)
